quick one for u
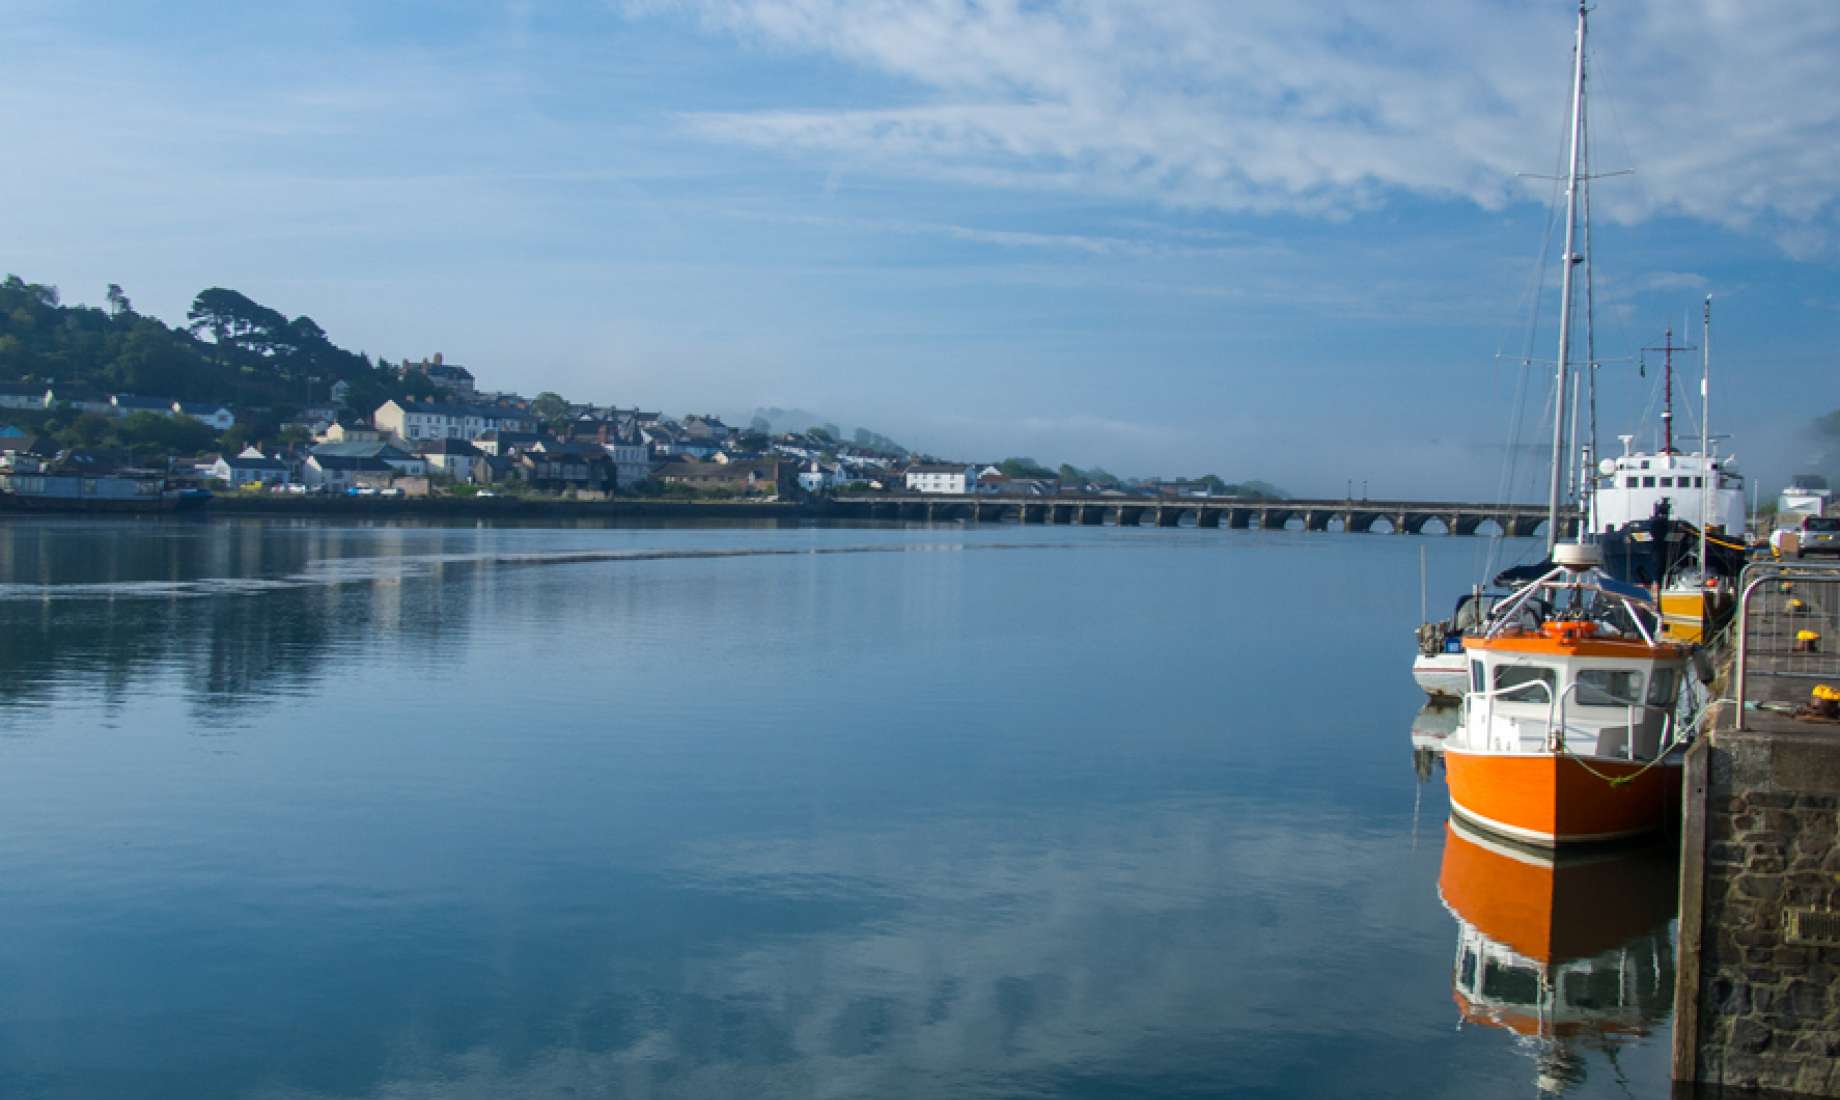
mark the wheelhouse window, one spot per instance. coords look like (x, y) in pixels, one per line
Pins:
(1609, 687)
(1476, 681)
(1522, 683)
(1667, 483)
(1661, 689)
(1630, 481)
(1648, 482)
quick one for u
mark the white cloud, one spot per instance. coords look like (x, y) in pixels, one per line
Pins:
(1320, 109)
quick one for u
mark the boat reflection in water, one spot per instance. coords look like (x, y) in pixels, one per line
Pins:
(1571, 955)
(1430, 726)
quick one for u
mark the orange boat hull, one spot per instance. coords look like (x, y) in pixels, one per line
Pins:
(1548, 799)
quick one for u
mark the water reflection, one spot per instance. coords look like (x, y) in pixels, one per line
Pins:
(1434, 722)
(1569, 955)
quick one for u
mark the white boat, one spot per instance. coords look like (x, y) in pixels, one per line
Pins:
(1441, 675)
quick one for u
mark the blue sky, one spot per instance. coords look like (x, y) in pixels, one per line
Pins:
(1278, 241)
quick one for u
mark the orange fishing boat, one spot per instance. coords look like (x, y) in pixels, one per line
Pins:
(1561, 951)
(1569, 722)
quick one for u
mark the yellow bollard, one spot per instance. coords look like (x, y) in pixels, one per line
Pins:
(1809, 641)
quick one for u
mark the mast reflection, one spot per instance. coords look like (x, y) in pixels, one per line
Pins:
(1571, 956)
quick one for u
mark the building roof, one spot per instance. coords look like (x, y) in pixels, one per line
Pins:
(448, 447)
(139, 401)
(240, 462)
(938, 468)
(465, 409)
(360, 448)
(354, 463)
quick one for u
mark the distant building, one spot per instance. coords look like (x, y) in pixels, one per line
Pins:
(336, 473)
(78, 398)
(941, 477)
(755, 478)
(501, 444)
(208, 412)
(452, 458)
(1807, 495)
(450, 378)
(127, 404)
(390, 455)
(22, 395)
(250, 467)
(417, 420)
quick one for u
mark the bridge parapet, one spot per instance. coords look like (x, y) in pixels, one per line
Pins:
(1354, 517)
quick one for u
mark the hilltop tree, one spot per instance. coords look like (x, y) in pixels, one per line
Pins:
(551, 409)
(236, 322)
(1023, 467)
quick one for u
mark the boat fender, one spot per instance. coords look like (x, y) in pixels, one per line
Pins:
(1703, 670)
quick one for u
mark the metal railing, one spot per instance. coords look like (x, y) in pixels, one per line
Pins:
(1635, 714)
(1787, 628)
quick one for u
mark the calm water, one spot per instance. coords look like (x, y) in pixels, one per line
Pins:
(293, 810)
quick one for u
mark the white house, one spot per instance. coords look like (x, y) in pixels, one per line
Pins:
(127, 404)
(22, 395)
(941, 477)
(815, 476)
(453, 458)
(215, 415)
(251, 467)
(417, 420)
(336, 473)
(1806, 495)
(632, 459)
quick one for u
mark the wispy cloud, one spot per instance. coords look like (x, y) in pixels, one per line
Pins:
(1325, 110)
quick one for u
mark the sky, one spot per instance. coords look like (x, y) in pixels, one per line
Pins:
(1308, 243)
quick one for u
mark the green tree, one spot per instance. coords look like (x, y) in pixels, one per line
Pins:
(150, 433)
(235, 321)
(1023, 467)
(551, 409)
(87, 430)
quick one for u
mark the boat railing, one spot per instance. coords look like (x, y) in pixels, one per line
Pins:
(1786, 634)
(1634, 713)
(1488, 697)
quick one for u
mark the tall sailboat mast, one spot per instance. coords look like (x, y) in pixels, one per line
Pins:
(1709, 468)
(1556, 489)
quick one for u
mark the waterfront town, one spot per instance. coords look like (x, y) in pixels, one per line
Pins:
(462, 441)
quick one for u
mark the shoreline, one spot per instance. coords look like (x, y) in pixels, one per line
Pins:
(508, 508)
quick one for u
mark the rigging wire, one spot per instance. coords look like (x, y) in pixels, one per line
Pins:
(1489, 555)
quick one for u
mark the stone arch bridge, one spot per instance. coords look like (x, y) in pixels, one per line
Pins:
(1399, 516)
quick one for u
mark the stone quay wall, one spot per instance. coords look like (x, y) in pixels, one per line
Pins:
(1758, 1004)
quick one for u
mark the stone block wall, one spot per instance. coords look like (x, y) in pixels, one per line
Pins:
(1758, 1009)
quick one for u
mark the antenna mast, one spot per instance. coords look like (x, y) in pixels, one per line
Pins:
(1668, 348)
(1565, 292)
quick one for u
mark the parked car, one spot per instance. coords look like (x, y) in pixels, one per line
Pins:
(1820, 535)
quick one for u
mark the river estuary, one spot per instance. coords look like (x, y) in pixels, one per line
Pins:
(303, 810)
